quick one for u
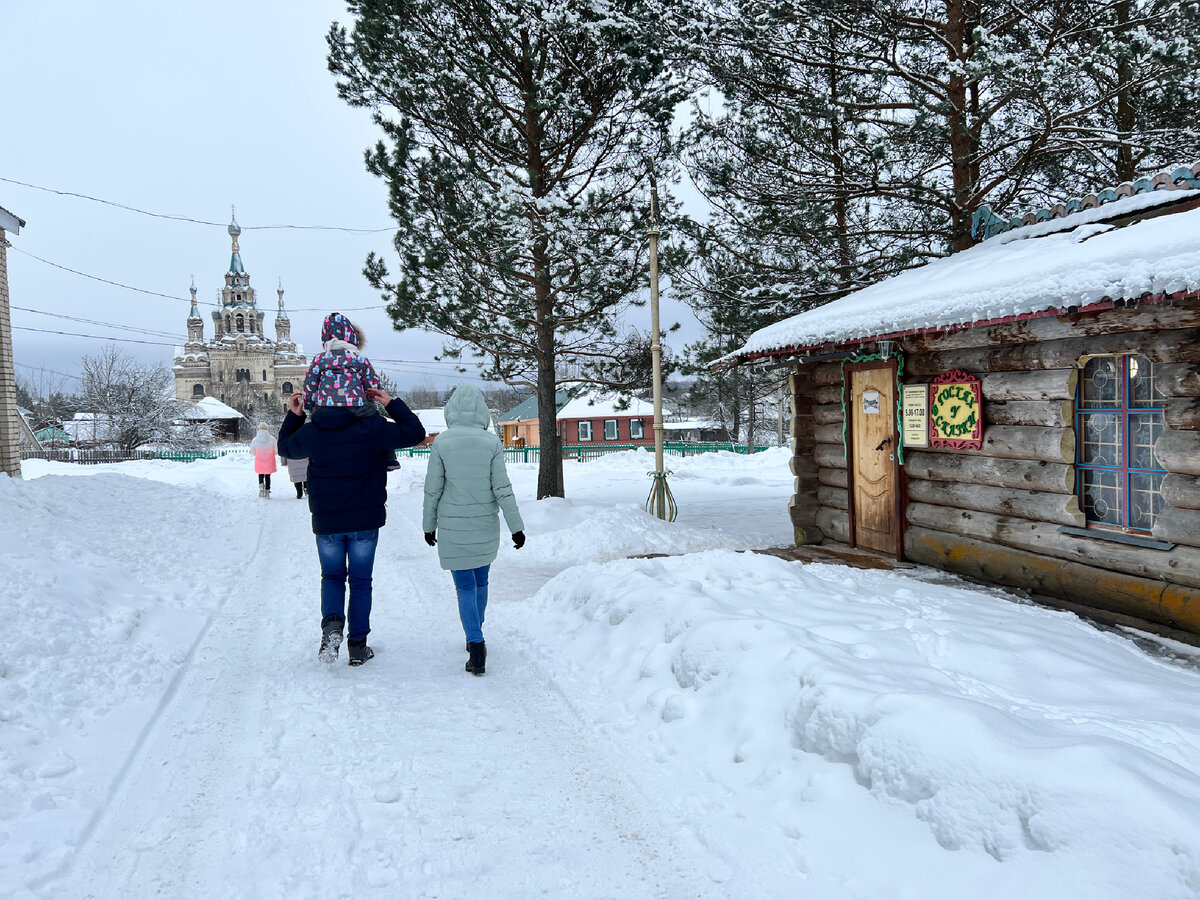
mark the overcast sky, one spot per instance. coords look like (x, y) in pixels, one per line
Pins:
(187, 109)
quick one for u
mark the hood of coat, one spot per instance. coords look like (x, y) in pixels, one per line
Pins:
(263, 439)
(338, 328)
(466, 406)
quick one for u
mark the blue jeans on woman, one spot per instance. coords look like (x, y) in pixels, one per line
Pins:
(471, 585)
(352, 554)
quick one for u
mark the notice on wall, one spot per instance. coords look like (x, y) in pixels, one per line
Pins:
(916, 415)
(955, 411)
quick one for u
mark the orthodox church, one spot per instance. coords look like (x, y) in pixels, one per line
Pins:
(240, 365)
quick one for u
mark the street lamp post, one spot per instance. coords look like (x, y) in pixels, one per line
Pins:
(660, 502)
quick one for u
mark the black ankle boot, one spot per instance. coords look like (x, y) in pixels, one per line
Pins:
(478, 658)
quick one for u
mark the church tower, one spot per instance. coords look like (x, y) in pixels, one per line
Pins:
(195, 324)
(283, 325)
(240, 365)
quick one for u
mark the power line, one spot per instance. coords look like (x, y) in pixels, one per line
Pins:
(133, 329)
(179, 218)
(44, 369)
(98, 337)
(98, 278)
(129, 287)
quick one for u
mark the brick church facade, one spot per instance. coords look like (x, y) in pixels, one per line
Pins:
(239, 365)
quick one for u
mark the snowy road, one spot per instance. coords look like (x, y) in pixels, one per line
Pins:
(267, 775)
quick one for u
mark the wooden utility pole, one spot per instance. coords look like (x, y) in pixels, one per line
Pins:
(660, 502)
(10, 418)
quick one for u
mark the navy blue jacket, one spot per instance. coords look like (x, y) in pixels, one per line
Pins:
(347, 462)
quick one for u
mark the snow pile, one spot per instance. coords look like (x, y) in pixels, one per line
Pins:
(1050, 265)
(1052, 760)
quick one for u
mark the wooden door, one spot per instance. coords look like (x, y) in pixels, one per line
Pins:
(874, 497)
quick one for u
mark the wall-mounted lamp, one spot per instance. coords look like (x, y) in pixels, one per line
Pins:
(885, 349)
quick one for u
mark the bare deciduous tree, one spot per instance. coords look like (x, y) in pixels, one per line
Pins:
(134, 404)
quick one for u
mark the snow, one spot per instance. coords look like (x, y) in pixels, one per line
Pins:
(595, 406)
(1072, 261)
(211, 408)
(706, 723)
(434, 420)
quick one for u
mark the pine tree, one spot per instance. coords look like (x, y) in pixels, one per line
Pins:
(517, 140)
(725, 293)
(1141, 67)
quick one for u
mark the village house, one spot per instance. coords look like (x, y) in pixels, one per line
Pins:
(519, 426)
(225, 421)
(593, 418)
(1025, 412)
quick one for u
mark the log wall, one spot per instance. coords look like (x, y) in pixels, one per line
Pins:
(995, 514)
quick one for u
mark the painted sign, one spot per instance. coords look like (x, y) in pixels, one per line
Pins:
(916, 415)
(870, 402)
(956, 411)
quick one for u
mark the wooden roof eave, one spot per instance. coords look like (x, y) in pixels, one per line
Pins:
(830, 350)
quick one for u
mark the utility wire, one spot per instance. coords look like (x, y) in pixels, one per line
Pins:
(44, 369)
(98, 337)
(129, 287)
(178, 218)
(98, 278)
(133, 329)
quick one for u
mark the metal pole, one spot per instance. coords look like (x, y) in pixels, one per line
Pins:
(655, 346)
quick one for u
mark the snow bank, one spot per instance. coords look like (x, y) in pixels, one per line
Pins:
(108, 582)
(1051, 759)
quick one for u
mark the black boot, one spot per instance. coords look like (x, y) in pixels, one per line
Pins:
(360, 653)
(478, 658)
(331, 639)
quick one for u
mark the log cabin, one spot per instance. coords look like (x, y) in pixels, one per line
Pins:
(1025, 412)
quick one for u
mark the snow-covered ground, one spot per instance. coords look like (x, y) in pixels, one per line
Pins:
(707, 724)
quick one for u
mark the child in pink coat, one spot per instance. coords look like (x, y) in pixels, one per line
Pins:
(263, 448)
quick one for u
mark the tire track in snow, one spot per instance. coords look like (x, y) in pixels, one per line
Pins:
(118, 783)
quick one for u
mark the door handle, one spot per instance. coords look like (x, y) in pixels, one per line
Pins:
(884, 443)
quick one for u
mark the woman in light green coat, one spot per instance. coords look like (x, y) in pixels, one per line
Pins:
(466, 486)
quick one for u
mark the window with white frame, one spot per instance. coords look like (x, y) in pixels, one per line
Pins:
(610, 429)
(584, 431)
(637, 429)
(1118, 417)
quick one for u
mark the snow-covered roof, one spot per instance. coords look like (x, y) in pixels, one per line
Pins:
(434, 420)
(1083, 258)
(594, 406)
(690, 425)
(211, 408)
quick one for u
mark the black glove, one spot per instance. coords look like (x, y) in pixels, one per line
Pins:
(430, 539)
(518, 539)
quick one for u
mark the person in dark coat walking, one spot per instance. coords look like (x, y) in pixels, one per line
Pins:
(347, 491)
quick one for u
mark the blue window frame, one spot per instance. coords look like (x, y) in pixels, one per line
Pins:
(1118, 417)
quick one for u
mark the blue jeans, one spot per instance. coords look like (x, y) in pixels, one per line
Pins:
(471, 585)
(358, 548)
